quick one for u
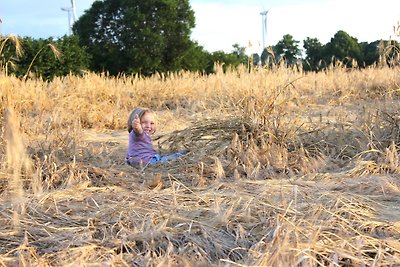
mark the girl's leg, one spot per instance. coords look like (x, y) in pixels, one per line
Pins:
(172, 156)
(160, 159)
(155, 159)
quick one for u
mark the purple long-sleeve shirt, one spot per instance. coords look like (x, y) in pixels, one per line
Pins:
(140, 148)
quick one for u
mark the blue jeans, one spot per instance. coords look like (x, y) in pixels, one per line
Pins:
(157, 158)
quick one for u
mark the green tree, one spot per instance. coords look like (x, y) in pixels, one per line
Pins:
(314, 53)
(196, 58)
(38, 59)
(136, 36)
(74, 58)
(344, 48)
(287, 49)
(220, 57)
(240, 53)
(229, 60)
(370, 52)
(256, 59)
(268, 56)
(47, 58)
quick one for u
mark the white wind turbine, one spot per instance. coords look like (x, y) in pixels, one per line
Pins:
(264, 27)
(73, 10)
(71, 15)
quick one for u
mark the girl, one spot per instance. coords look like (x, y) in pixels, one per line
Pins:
(141, 125)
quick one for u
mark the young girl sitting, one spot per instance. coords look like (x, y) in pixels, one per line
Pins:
(141, 125)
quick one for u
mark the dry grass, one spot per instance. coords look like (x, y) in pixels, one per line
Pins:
(285, 169)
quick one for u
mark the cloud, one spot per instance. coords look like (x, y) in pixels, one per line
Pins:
(221, 24)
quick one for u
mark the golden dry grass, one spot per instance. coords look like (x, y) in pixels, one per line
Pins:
(285, 168)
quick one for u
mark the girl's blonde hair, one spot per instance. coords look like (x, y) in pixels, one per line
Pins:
(140, 112)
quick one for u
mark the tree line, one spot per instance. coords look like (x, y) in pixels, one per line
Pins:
(144, 37)
(342, 48)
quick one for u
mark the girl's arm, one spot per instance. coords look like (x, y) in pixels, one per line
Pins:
(137, 127)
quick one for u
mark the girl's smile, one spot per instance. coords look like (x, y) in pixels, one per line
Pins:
(147, 123)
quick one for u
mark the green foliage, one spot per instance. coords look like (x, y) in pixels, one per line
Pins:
(153, 36)
(135, 36)
(240, 53)
(196, 58)
(46, 58)
(314, 54)
(255, 59)
(287, 49)
(344, 48)
(267, 57)
(233, 59)
(74, 59)
(370, 52)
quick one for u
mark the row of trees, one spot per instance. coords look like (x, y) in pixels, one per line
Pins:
(46, 58)
(135, 36)
(342, 47)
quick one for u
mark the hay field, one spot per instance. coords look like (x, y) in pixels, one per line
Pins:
(285, 168)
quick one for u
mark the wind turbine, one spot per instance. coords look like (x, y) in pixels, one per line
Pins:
(264, 27)
(71, 13)
(73, 10)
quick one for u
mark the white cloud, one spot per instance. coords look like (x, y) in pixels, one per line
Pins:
(221, 24)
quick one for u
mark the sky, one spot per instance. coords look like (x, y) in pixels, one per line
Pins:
(222, 23)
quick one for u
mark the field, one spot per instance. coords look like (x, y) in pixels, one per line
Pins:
(285, 168)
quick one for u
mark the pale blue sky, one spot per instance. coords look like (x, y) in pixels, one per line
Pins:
(220, 24)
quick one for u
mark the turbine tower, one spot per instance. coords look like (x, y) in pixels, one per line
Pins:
(73, 11)
(71, 15)
(264, 27)
(68, 9)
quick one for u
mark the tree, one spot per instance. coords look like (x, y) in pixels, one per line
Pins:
(256, 59)
(314, 53)
(267, 56)
(287, 49)
(240, 53)
(220, 57)
(370, 52)
(47, 58)
(196, 58)
(229, 60)
(344, 48)
(136, 36)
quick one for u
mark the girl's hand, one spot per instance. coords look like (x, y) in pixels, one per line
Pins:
(137, 127)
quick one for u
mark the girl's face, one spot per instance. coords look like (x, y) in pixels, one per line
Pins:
(147, 122)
